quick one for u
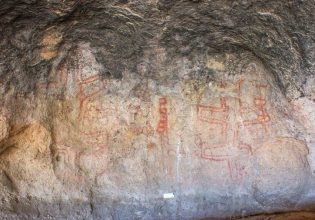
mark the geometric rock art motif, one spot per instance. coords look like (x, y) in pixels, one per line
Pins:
(233, 124)
(77, 77)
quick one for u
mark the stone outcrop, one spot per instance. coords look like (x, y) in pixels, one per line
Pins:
(281, 161)
(156, 109)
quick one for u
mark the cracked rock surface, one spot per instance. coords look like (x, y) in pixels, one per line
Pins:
(156, 109)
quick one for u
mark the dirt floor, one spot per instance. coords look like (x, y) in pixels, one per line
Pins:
(285, 216)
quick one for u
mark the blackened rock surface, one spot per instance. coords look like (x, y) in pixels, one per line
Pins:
(278, 33)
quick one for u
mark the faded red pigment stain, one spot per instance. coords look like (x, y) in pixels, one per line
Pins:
(85, 92)
(214, 153)
(162, 127)
(56, 85)
(99, 141)
(216, 115)
(151, 146)
(260, 110)
(181, 153)
(68, 161)
(220, 115)
(259, 106)
(237, 171)
(87, 85)
(95, 111)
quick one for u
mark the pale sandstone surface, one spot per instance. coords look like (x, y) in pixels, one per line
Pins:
(109, 107)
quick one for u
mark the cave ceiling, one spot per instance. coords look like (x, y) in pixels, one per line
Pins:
(37, 34)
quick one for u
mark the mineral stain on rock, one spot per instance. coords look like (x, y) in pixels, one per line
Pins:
(108, 107)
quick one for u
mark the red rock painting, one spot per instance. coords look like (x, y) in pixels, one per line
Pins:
(220, 125)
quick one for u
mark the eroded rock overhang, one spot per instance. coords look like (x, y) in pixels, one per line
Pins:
(109, 105)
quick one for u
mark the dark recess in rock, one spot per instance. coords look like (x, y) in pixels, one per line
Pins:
(156, 109)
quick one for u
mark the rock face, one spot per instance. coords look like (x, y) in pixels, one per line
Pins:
(156, 109)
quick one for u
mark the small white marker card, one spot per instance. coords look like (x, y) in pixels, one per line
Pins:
(168, 195)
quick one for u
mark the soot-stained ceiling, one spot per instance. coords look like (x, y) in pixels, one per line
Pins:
(36, 35)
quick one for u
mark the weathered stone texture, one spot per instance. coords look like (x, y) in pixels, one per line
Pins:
(110, 107)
